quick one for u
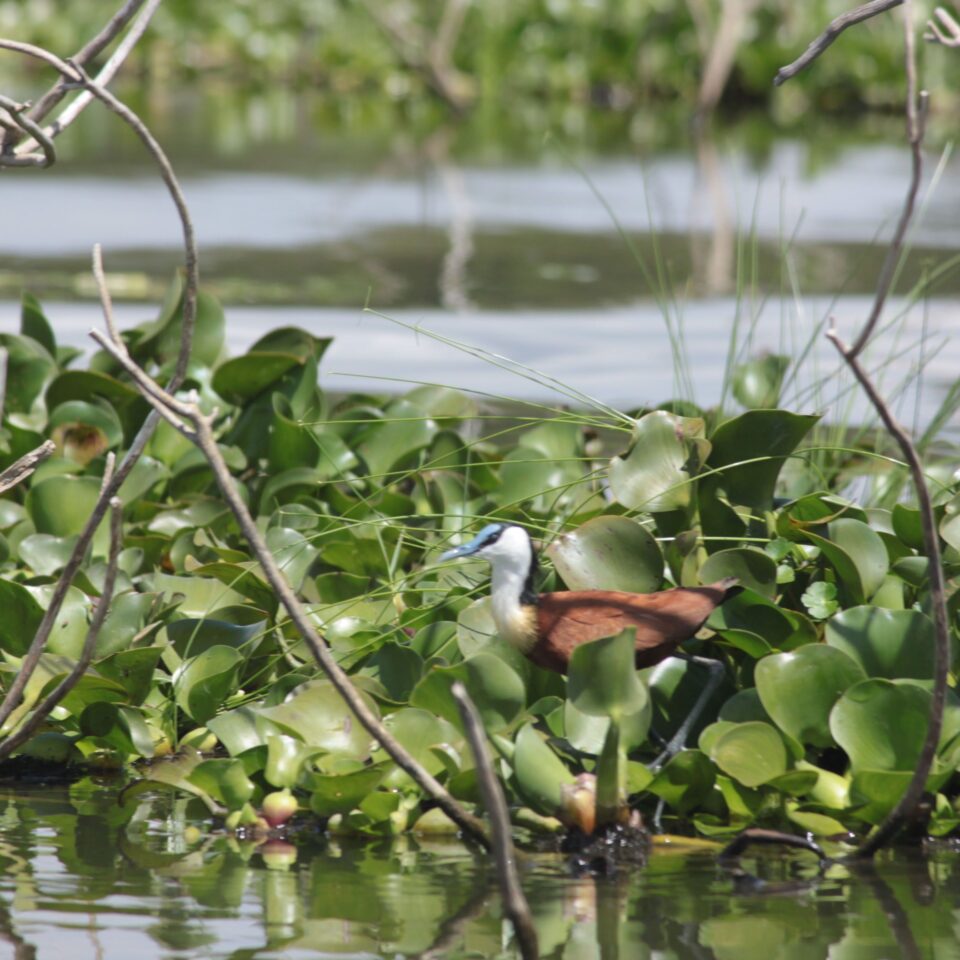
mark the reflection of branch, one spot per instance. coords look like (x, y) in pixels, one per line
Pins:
(451, 930)
(197, 427)
(911, 796)
(514, 902)
(834, 29)
(42, 710)
(428, 56)
(722, 52)
(897, 918)
(453, 286)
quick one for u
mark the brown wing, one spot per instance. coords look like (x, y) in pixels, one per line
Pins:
(663, 620)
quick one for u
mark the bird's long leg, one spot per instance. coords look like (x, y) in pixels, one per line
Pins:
(679, 740)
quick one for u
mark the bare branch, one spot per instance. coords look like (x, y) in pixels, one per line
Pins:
(84, 55)
(17, 472)
(199, 430)
(28, 664)
(835, 28)
(946, 31)
(514, 902)
(915, 789)
(42, 710)
(23, 123)
(106, 74)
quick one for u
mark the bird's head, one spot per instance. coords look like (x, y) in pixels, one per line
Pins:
(504, 545)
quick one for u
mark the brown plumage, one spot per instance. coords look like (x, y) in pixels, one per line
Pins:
(662, 620)
(548, 627)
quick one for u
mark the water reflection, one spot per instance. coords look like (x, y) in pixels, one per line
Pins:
(85, 876)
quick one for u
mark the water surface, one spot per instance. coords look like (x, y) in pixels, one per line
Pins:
(86, 876)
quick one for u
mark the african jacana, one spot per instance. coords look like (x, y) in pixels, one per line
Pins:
(548, 627)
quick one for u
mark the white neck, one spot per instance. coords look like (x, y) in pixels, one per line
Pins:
(515, 622)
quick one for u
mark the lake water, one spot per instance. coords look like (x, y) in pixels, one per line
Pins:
(84, 876)
(574, 253)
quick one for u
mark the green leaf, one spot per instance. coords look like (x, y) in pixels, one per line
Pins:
(224, 780)
(765, 438)
(61, 505)
(132, 669)
(609, 553)
(886, 643)
(752, 753)
(341, 793)
(857, 553)
(752, 567)
(34, 323)
(603, 681)
(387, 443)
(539, 773)
(685, 782)
(493, 685)
(419, 732)
(881, 724)
(205, 681)
(798, 689)
(757, 383)
(655, 473)
(316, 713)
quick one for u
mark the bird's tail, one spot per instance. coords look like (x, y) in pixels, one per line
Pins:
(731, 587)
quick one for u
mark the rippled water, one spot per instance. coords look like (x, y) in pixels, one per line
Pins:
(84, 876)
(575, 254)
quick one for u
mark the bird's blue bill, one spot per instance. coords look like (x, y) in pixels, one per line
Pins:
(472, 546)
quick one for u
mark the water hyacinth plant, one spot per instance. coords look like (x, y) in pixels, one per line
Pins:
(828, 653)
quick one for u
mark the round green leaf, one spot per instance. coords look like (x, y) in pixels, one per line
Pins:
(495, 688)
(609, 553)
(798, 689)
(539, 773)
(62, 505)
(316, 713)
(603, 681)
(886, 643)
(653, 475)
(752, 753)
(857, 553)
(750, 450)
(881, 724)
(757, 382)
(205, 681)
(752, 567)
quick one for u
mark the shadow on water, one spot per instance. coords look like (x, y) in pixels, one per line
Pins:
(84, 876)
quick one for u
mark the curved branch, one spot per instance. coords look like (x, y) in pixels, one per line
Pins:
(834, 29)
(75, 74)
(931, 541)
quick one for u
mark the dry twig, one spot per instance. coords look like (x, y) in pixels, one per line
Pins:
(42, 710)
(62, 87)
(943, 28)
(17, 472)
(514, 902)
(834, 29)
(915, 110)
(193, 423)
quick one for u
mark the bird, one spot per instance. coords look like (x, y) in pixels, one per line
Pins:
(548, 627)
